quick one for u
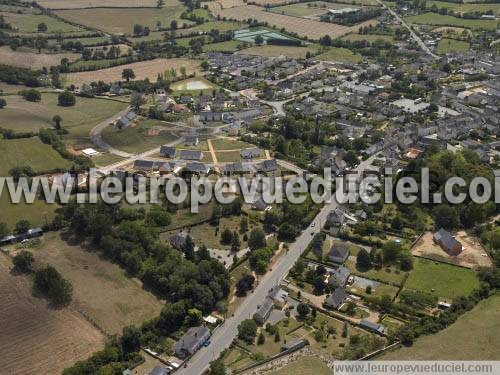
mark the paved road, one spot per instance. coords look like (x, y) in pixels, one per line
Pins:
(413, 34)
(95, 135)
(225, 334)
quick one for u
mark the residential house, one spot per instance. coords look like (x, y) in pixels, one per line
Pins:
(191, 341)
(197, 168)
(191, 155)
(260, 205)
(250, 153)
(145, 165)
(336, 299)
(374, 327)
(336, 219)
(191, 140)
(125, 120)
(264, 311)
(294, 345)
(268, 166)
(238, 168)
(167, 151)
(178, 240)
(279, 296)
(339, 252)
(447, 242)
(339, 277)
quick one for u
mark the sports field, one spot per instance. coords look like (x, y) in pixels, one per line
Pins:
(474, 336)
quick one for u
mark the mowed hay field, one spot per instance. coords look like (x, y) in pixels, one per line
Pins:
(445, 20)
(101, 289)
(34, 338)
(76, 4)
(21, 115)
(474, 336)
(122, 20)
(28, 23)
(271, 50)
(32, 59)
(38, 213)
(143, 69)
(302, 26)
(30, 152)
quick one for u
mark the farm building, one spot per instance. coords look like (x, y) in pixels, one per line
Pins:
(294, 345)
(447, 242)
(378, 328)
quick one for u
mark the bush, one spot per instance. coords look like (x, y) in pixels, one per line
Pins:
(50, 282)
(23, 261)
(31, 95)
(66, 99)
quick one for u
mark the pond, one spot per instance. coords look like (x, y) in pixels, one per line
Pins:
(191, 84)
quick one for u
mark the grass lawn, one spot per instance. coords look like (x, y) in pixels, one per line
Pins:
(122, 20)
(100, 288)
(185, 218)
(135, 139)
(391, 275)
(29, 152)
(368, 37)
(445, 20)
(446, 45)
(105, 159)
(202, 146)
(38, 213)
(339, 54)
(475, 336)
(440, 279)
(228, 156)
(272, 50)
(28, 23)
(229, 144)
(228, 46)
(21, 115)
(305, 366)
(465, 8)
(379, 291)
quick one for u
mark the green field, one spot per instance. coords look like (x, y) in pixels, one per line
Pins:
(98, 64)
(444, 20)
(103, 160)
(391, 275)
(465, 8)
(446, 45)
(38, 213)
(29, 152)
(474, 336)
(122, 20)
(28, 23)
(135, 138)
(21, 115)
(229, 144)
(339, 54)
(307, 9)
(222, 26)
(368, 37)
(272, 50)
(92, 41)
(228, 46)
(440, 279)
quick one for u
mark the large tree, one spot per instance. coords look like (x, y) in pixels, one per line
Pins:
(128, 74)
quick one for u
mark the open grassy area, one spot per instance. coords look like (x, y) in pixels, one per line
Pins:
(102, 160)
(192, 85)
(100, 288)
(21, 115)
(465, 8)
(368, 37)
(222, 26)
(39, 213)
(391, 275)
(272, 50)
(31, 59)
(28, 23)
(303, 9)
(445, 20)
(474, 336)
(122, 20)
(29, 152)
(36, 338)
(229, 144)
(305, 366)
(137, 138)
(446, 45)
(440, 279)
(228, 46)
(339, 54)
